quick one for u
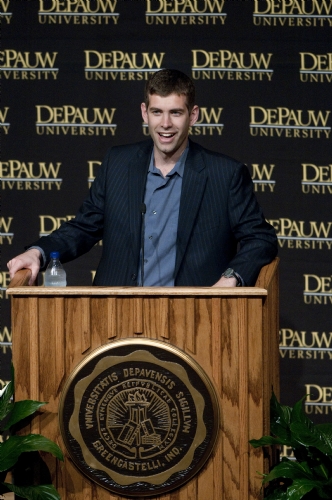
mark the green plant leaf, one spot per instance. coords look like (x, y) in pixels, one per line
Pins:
(5, 403)
(301, 426)
(311, 472)
(324, 492)
(6, 395)
(42, 492)
(322, 472)
(277, 494)
(279, 412)
(11, 449)
(298, 414)
(325, 431)
(309, 435)
(299, 488)
(267, 441)
(21, 410)
(291, 470)
(280, 418)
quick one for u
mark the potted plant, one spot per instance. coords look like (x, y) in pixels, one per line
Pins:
(13, 446)
(309, 474)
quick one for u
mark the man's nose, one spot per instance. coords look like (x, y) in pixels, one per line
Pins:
(166, 121)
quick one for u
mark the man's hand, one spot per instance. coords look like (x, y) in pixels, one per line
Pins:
(27, 260)
(226, 282)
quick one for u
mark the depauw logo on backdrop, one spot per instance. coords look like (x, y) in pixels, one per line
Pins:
(262, 177)
(5, 11)
(292, 13)
(208, 122)
(119, 65)
(80, 12)
(303, 344)
(4, 282)
(300, 234)
(5, 340)
(49, 223)
(318, 400)
(315, 67)
(316, 179)
(4, 123)
(92, 170)
(317, 289)
(226, 65)
(30, 176)
(72, 120)
(289, 123)
(6, 234)
(19, 65)
(185, 12)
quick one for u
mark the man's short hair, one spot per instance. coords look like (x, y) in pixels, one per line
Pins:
(170, 81)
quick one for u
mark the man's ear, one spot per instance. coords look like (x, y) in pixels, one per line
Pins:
(144, 112)
(194, 115)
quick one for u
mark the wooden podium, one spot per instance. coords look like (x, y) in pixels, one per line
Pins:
(231, 332)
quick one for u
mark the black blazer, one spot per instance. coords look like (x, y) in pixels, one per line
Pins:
(220, 222)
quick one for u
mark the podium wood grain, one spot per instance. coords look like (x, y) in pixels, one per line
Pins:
(231, 333)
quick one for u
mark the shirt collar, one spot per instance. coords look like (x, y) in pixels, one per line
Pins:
(178, 167)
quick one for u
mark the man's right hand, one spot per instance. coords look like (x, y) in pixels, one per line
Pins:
(27, 260)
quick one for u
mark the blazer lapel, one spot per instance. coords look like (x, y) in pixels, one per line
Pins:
(137, 173)
(193, 186)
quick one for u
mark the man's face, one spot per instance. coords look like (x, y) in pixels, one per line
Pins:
(169, 120)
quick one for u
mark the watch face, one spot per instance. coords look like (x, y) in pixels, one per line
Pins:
(229, 273)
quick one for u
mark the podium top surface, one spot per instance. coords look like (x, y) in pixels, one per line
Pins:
(136, 291)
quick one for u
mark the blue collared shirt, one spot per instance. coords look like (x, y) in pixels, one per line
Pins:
(162, 200)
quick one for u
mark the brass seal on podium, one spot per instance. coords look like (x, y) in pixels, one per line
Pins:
(139, 417)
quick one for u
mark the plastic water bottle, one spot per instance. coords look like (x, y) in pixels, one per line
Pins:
(55, 275)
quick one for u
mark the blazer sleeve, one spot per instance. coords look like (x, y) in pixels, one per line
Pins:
(77, 236)
(257, 240)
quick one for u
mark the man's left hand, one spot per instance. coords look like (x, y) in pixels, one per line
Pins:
(226, 282)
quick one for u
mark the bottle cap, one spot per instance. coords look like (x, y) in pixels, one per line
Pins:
(54, 255)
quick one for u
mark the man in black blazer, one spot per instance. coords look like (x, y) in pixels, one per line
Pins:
(211, 230)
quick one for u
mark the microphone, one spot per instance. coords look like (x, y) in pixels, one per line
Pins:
(143, 212)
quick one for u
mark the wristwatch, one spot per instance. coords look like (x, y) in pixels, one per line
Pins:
(230, 273)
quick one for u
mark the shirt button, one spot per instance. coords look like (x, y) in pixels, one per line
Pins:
(154, 212)
(133, 277)
(150, 237)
